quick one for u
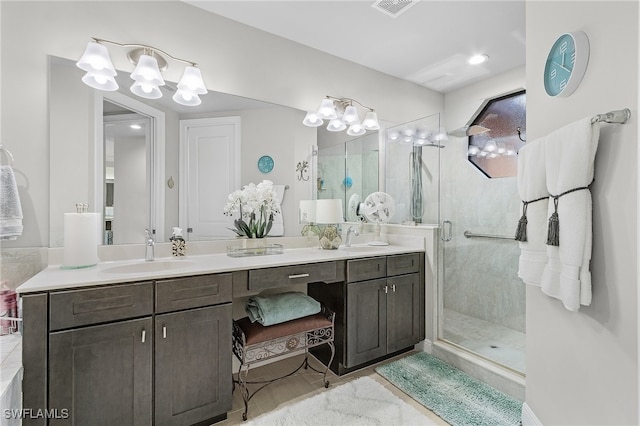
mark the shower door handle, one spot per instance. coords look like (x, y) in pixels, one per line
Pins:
(446, 231)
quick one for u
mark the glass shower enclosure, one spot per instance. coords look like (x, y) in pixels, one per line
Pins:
(480, 299)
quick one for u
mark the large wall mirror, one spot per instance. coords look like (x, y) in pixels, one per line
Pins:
(120, 153)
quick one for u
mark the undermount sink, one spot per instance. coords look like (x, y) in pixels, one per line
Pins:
(151, 266)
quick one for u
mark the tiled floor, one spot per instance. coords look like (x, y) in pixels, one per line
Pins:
(304, 385)
(499, 344)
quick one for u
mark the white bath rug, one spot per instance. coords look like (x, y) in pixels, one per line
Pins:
(360, 402)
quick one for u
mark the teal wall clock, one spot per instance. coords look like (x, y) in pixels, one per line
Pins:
(265, 164)
(566, 64)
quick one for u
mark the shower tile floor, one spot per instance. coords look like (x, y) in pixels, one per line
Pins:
(497, 343)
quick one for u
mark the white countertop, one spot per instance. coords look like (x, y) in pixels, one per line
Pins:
(55, 278)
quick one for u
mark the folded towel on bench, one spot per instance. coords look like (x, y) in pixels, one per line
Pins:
(281, 307)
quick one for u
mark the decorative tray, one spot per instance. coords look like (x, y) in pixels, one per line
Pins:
(237, 251)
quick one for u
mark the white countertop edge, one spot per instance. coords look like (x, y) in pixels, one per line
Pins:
(55, 278)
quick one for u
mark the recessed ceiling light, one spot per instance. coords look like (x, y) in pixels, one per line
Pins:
(478, 59)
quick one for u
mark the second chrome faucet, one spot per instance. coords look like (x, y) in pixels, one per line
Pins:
(149, 243)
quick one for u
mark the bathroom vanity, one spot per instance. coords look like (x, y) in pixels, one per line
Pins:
(131, 342)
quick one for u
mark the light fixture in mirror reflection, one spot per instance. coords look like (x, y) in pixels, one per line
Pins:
(75, 116)
(341, 114)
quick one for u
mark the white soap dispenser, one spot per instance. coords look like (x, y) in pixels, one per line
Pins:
(178, 244)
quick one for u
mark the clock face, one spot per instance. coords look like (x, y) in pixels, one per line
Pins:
(566, 64)
(265, 164)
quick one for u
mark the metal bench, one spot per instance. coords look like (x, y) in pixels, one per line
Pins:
(253, 343)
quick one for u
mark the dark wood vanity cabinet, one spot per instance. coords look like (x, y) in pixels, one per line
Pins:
(88, 370)
(149, 353)
(379, 309)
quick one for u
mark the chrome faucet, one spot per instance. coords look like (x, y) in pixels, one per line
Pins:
(148, 236)
(350, 232)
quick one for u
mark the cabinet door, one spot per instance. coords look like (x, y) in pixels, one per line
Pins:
(403, 311)
(366, 321)
(102, 374)
(193, 365)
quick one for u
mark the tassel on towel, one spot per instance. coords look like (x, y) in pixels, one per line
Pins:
(553, 231)
(521, 231)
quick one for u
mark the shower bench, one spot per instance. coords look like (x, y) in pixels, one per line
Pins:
(253, 343)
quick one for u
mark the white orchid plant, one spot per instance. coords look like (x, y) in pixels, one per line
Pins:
(256, 205)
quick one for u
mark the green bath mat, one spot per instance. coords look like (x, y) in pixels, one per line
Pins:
(458, 398)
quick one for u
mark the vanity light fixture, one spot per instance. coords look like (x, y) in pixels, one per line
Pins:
(147, 76)
(342, 114)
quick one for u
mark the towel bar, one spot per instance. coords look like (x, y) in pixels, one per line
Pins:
(470, 234)
(619, 116)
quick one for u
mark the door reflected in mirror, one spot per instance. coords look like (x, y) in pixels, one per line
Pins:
(127, 188)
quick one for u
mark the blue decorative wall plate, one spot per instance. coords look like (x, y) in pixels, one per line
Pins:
(265, 164)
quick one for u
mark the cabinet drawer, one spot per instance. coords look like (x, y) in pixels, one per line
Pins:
(366, 269)
(298, 274)
(193, 292)
(401, 264)
(74, 308)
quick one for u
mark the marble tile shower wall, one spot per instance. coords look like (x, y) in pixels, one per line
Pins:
(481, 274)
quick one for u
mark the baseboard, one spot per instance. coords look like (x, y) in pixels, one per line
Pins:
(528, 416)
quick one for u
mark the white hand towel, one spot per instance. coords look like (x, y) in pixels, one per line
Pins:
(277, 228)
(570, 154)
(10, 207)
(532, 185)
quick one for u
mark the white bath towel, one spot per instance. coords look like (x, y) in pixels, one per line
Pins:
(532, 187)
(10, 207)
(570, 153)
(277, 228)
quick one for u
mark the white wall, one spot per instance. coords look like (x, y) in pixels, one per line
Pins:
(582, 368)
(234, 58)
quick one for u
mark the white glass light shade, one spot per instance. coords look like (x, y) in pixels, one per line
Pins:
(393, 135)
(336, 125)
(327, 110)
(96, 60)
(192, 81)
(312, 120)
(307, 211)
(329, 211)
(356, 129)
(473, 151)
(100, 82)
(147, 91)
(350, 115)
(370, 121)
(441, 136)
(186, 98)
(490, 146)
(147, 71)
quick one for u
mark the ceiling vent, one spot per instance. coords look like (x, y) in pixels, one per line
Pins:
(393, 8)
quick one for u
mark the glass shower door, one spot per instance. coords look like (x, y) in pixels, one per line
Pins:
(481, 298)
